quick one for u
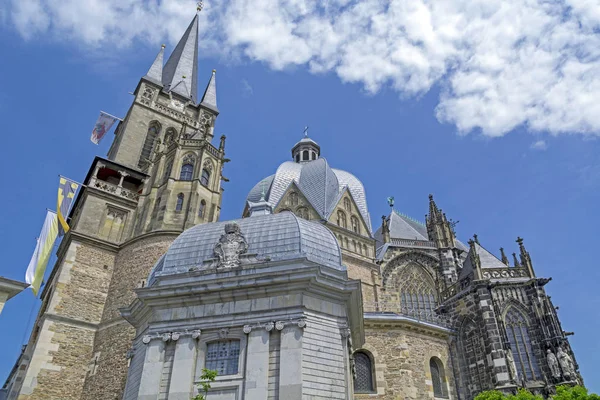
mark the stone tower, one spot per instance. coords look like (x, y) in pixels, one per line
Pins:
(162, 175)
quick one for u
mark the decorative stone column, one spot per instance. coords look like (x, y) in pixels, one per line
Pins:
(257, 363)
(184, 366)
(290, 373)
(153, 363)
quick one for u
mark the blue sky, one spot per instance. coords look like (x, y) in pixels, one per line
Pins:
(538, 177)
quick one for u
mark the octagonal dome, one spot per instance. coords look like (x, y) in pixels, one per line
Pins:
(277, 237)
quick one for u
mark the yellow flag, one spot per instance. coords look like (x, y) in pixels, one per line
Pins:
(43, 250)
(66, 193)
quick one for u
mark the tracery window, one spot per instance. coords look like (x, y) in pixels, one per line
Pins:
(438, 378)
(517, 331)
(179, 205)
(347, 205)
(355, 224)
(187, 168)
(205, 179)
(202, 209)
(302, 212)
(363, 378)
(223, 356)
(149, 142)
(417, 290)
(341, 219)
(293, 199)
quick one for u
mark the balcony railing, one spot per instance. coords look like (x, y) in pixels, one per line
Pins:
(113, 189)
(414, 243)
(418, 315)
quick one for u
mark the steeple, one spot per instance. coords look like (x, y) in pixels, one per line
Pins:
(180, 74)
(439, 229)
(156, 70)
(209, 98)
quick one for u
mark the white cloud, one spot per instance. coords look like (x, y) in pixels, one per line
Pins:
(500, 64)
(247, 89)
(539, 145)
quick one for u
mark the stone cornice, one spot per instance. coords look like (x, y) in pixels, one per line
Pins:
(381, 320)
(69, 321)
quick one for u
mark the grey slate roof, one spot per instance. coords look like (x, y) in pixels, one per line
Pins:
(209, 98)
(279, 236)
(156, 70)
(319, 183)
(180, 73)
(487, 259)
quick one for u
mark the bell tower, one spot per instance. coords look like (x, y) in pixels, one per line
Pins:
(162, 175)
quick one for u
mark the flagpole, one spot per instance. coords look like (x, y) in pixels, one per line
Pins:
(110, 115)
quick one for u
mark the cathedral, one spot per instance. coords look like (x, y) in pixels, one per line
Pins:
(305, 296)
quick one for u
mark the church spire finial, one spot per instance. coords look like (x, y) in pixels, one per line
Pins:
(199, 6)
(306, 131)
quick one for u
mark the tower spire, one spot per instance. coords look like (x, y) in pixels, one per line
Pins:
(209, 98)
(156, 70)
(180, 74)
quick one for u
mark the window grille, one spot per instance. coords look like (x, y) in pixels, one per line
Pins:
(417, 291)
(223, 356)
(363, 380)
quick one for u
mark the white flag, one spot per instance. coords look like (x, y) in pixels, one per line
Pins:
(103, 125)
(43, 250)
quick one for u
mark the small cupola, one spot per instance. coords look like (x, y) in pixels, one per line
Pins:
(306, 150)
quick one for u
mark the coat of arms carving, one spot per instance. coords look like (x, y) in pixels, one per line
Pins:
(230, 246)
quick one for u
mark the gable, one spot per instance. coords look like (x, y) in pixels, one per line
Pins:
(346, 207)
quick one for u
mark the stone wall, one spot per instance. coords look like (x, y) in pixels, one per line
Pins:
(401, 358)
(113, 339)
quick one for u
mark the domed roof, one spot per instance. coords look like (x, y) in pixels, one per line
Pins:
(321, 184)
(279, 237)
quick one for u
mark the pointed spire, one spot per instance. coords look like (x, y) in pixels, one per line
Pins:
(156, 70)
(209, 98)
(515, 260)
(474, 258)
(180, 74)
(476, 239)
(504, 258)
(525, 258)
(434, 211)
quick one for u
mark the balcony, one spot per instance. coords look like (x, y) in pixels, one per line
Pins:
(116, 182)
(417, 315)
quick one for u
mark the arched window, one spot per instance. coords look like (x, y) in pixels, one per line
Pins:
(346, 243)
(438, 378)
(520, 345)
(205, 179)
(354, 246)
(202, 208)
(347, 204)
(363, 379)
(341, 219)
(365, 250)
(293, 199)
(305, 155)
(179, 205)
(149, 142)
(223, 356)
(187, 170)
(297, 157)
(168, 169)
(314, 156)
(302, 212)
(355, 224)
(417, 291)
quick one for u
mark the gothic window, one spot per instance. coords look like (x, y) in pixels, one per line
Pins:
(293, 199)
(417, 290)
(347, 205)
(363, 378)
(179, 205)
(438, 378)
(168, 169)
(302, 212)
(520, 345)
(149, 142)
(202, 209)
(205, 179)
(341, 219)
(355, 224)
(305, 155)
(187, 171)
(223, 356)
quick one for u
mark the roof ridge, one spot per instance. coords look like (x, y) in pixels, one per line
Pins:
(409, 217)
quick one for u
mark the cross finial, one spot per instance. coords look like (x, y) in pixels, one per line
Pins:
(306, 131)
(199, 6)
